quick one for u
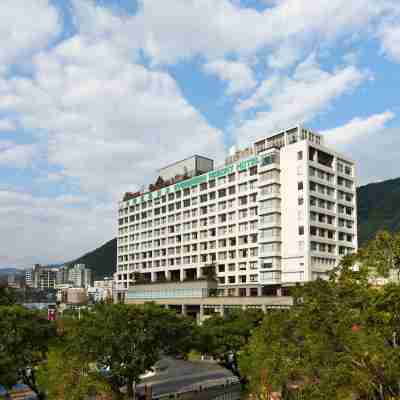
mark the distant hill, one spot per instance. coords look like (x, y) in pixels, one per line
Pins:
(378, 208)
(102, 261)
(10, 271)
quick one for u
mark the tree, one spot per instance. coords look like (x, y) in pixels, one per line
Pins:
(382, 255)
(7, 296)
(126, 341)
(223, 337)
(68, 375)
(24, 340)
(330, 344)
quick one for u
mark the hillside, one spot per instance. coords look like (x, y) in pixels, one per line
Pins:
(102, 261)
(378, 208)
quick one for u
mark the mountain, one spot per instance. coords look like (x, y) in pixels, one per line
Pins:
(102, 261)
(10, 271)
(378, 208)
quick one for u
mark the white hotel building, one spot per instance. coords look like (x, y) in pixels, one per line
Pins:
(278, 213)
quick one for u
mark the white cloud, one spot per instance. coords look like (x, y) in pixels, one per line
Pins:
(357, 128)
(7, 125)
(214, 28)
(106, 120)
(238, 75)
(16, 155)
(371, 144)
(25, 26)
(296, 99)
(50, 229)
(390, 40)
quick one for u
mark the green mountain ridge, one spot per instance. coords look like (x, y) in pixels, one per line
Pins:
(378, 208)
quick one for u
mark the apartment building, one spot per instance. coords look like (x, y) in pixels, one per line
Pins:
(279, 213)
(80, 276)
(41, 277)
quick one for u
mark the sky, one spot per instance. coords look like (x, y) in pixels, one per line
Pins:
(95, 96)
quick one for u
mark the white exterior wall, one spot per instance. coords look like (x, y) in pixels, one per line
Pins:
(294, 216)
(256, 243)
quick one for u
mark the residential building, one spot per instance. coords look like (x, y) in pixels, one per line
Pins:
(279, 213)
(63, 275)
(41, 277)
(80, 276)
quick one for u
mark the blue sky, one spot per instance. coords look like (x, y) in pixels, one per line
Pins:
(96, 95)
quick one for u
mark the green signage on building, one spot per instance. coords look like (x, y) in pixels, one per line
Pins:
(197, 180)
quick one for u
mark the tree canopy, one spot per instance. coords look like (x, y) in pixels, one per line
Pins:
(339, 341)
(24, 340)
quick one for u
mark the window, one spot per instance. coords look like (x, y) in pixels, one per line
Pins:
(301, 230)
(300, 185)
(299, 155)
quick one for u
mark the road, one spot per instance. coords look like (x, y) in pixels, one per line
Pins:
(180, 375)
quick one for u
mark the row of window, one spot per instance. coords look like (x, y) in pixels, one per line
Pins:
(222, 243)
(211, 208)
(192, 259)
(242, 175)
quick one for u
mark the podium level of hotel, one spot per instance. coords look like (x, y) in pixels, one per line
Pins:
(278, 213)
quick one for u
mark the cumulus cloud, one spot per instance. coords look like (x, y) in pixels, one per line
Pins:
(213, 28)
(238, 75)
(390, 40)
(16, 155)
(7, 125)
(50, 229)
(356, 128)
(25, 27)
(104, 117)
(371, 144)
(282, 100)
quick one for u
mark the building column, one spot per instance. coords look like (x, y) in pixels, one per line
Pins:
(184, 311)
(153, 276)
(259, 291)
(264, 308)
(182, 275)
(167, 275)
(221, 310)
(200, 315)
(279, 292)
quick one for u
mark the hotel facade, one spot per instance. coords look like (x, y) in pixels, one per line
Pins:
(278, 213)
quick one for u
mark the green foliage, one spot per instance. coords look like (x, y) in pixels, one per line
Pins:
(126, 341)
(24, 339)
(68, 375)
(338, 342)
(378, 209)
(381, 256)
(7, 296)
(223, 337)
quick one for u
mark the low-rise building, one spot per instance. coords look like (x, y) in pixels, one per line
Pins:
(102, 290)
